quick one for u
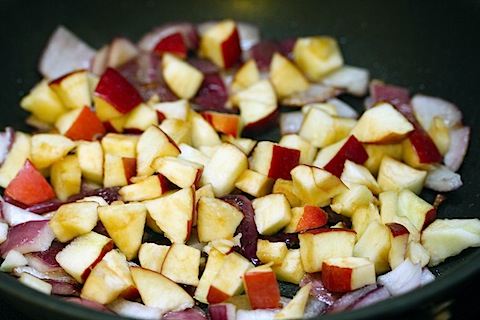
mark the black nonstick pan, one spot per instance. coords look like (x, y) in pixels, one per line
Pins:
(426, 46)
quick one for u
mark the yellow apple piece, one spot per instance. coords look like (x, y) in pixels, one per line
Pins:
(74, 219)
(66, 177)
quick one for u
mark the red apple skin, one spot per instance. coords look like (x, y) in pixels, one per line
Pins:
(283, 161)
(105, 250)
(231, 49)
(117, 91)
(262, 290)
(327, 229)
(313, 217)
(430, 217)
(352, 150)
(216, 295)
(336, 279)
(29, 186)
(254, 129)
(424, 146)
(223, 122)
(397, 229)
(87, 126)
(172, 44)
(130, 167)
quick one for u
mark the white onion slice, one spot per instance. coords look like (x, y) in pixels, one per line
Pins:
(135, 310)
(404, 278)
(427, 277)
(258, 314)
(426, 108)
(459, 140)
(343, 108)
(442, 179)
(315, 93)
(372, 297)
(222, 311)
(64, 53)
(354, 80)
(290, 122)
(14, 215)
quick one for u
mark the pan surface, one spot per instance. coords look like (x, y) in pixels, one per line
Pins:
(426, 46)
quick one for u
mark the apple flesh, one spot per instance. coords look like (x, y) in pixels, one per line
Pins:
(347, 274)
(262, 288)
(80, 124)
(274, 160)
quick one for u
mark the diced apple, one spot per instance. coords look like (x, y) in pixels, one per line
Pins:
(216, 219)
(286, 77)
(317, 56)
(419, 150)
(43, 103)
(118, 170)
(153, 143)
(440, 134)
(140, 118)
(354, 80)
(178, 130)
(417, 253)
(225, 166)
(396, 175)
(221, 44)
(202, 132)
(315, 186)
(388, 205)
(173, 213)
(120, 144)
(354, 174)
(347, 274)
(226, 123)
(190, 153)
(147, 188)
(346, 203)
(181, 77)
(73, 89)
(273, 160)
(254, 183)
(352, 150)
(81, 255)
(398, 243)
(305, 218)
(120, 51)
(178, 109)
(271, 252)
(109, 279)
(294, 141)
(382, 124)
(229, 278)
(74, 219)
(291, 270)
(172, 43)
(182, 264)
(325, 243)
(262, 288)
(376, 152)
(48, 148)
(374, 244)
(158, 291)
(417, 210)
(152, 255)
(214, 263)
(272, 213)
(181, 172)
(245, 76)
(444, 238)
(286, 187)
(114, 96)
(295, 309)
(35, 283)
(29, 186)
(80, 124)
(363, 216)
(90, 159)
(125, 225)
(318, 127)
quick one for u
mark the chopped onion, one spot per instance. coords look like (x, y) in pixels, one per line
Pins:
(426, 108)
(350, 298)
(442, 179)
(404, 278)
(374, 296)
(258, 314)
(135, 310)
(291, 122)
(315, 93)
(354, 80)
(222, 311)
(14, 215)
(459, 140)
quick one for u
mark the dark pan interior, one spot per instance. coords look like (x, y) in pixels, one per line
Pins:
(426, 46)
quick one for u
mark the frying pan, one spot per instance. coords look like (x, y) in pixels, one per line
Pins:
(426, 46)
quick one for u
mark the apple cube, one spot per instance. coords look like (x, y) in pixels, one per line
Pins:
(285, 187)
(73, 89)
(214, 263)
(295, 309)
(324, 243)
(81, 255)
(254, 183)
(229, 278)
(315, 186)
(192, 154)
(181, 172)
(181, 77)
(352, 150)
(388, 206)
(271, 252)
(305, 218)
(221, 44)
(396, 175)
(146, 188)
(109, 279)
(43, 103)
(158, 291)
(245, 76)
(398, 243)
(152, 255)
(120, 144)
(346, 203)
(261, 287)
(29, 186)
(294, 141)
(272, 213)
(225, 166)
(80, 124)
(418, 211)
(273, 160)
(178, 109)
(226, 123)
(347, 273)
(90, 159)
(35, 283)
(125, 224)
(153, 143)
(319, 128)
(439, 132)
(114, 96)
(363, 216)
(417, 253)
(48, 148)
(181, 264)
(216, 219)
(317, 56)
(376, 152)
(140, 118)
(374, 244)
(178, 130)
(354, 174)
(286, 77)
(118, 170)
(202, 132)
(382, 124)
(291, 270)
(173, 44)
(173, 213)
(74, 219)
